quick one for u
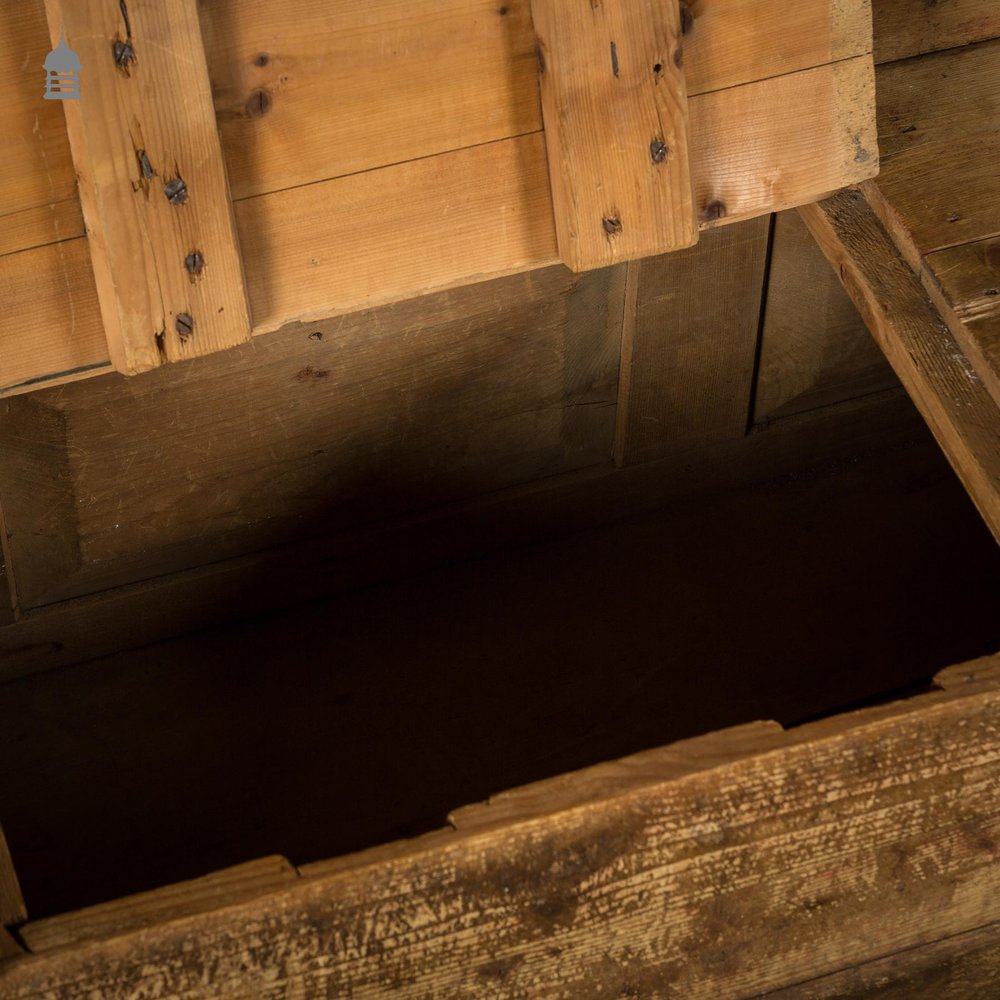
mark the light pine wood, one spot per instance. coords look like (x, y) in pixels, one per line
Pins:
(616, 129)
(184, 899)
(136, 133)
(50, 326)
(815, 348)
(12, 909)
(489, 208)
(904, 28)
(937, 375)
(688, 355)
(836, 844)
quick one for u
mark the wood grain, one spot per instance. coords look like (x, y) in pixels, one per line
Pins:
(614, 103)
(340, 423)
(489, 207)
(850, 841)
(332, 560)
(815, 348)
(961, 413)
(962, 967)
(688, 360)
(184, 899)
(904, 29)
(50, 327)
(136, 133)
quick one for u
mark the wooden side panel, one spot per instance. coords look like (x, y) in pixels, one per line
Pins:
(616, 129)
(317, 427)
(152, 181)
(869, 833)
(961, 413)
(688, 355)
(815, 348)
(904, 28)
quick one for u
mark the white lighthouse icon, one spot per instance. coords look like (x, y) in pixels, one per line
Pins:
(62, 69)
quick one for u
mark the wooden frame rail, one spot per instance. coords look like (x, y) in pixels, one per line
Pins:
(734, 865)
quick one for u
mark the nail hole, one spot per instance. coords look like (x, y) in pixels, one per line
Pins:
(714, 211)
(258, 104)
(317, 335)
(992, 291)
(687, 18)
(261, 59)
(503, 11)
(614, 59)
(612, 225)
(657, 68)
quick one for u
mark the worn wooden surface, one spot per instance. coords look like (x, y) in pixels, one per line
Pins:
(688, 357)
(333, 558)
(815, 348)
(837, 843)
(940, 380)
(963, 967)
(486, 199)
(346, 423)
(905, 28)
(152, 182)
(133, 913)
(938, 119)
(614, 101)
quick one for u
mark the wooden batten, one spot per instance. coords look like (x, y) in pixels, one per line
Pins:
(616, 129)
(152, 182)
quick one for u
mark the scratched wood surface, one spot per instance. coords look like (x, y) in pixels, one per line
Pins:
(152, 181)
(939, 117)
(614, 101)
(688, 355)
(961, 967)
(837, 843)
(815, 348)
(344, 422)
(816, 149)
(939, 378)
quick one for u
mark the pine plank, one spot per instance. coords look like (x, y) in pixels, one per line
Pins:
(51, 328)
(861, 836)
(688, 357)
(939, 128)
(493, 204)
(614, 103)
(937, 375)
(183, 899)
(938, 192)
(904, 29)
(136, 132)
(297, 101)
(815, 348)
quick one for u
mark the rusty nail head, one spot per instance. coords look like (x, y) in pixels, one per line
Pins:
(194, 262)
(184, 325)
(658, 151)
(612, 225)
(124, 54)
(176, 191)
